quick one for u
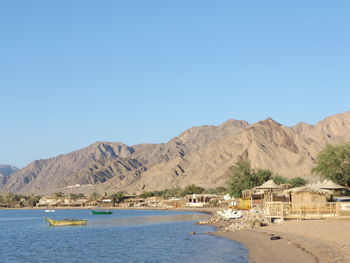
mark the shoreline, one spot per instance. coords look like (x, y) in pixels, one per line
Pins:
(261, 249)
(307, 241)
(319, 241)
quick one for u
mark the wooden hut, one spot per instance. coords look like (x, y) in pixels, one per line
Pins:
(306, 195)
(267, 192)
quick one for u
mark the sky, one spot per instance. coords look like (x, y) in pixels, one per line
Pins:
(76, 72)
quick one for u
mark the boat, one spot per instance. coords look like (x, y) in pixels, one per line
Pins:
(66, 222)
(101, 212)
(230, 214)
(50, 211)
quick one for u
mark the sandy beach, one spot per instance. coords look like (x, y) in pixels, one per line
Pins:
(322, 241)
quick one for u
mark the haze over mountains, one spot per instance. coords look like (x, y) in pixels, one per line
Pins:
(5, 171)
(200, 155)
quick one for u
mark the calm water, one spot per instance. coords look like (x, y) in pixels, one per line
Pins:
(135, 236)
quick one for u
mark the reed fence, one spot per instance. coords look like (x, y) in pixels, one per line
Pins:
(291, 210)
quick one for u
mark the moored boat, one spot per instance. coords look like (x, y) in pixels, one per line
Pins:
(50, 210)
(230, 214)
(66, 222)
(100, 212)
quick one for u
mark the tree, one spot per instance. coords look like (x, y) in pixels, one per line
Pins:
(32, 200)
(73, 196)
(192, 189)
(146, 194)
(118, 198)
(171, 192)
(59, 194)
(12, 199)
(297, 181)
(243, 177)
(80, 195)
(277, 179)
(94, 196)
(334, 163)
(220, 190)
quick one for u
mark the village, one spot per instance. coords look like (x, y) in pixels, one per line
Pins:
(269, 201)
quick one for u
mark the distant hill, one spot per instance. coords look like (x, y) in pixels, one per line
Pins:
(5, 171)
(200, 155)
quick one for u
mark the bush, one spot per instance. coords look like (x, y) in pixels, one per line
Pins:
(243, 177)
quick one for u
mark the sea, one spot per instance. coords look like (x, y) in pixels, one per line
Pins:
(126, 236)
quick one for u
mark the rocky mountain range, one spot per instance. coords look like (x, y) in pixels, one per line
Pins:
(200, 155)
(5, 171)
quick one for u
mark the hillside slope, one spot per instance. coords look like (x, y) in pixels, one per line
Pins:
(114, 163)
(200, 155)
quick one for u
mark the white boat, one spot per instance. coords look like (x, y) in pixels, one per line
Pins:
(230, 214)
(50, 211)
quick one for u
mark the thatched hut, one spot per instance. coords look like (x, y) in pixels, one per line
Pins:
(327, 185)
(267, 192)
(306, 194)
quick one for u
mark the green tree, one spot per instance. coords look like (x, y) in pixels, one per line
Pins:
(80, 196)
(293, 182)
(94, 196)
(146, 194)
(243, 177)
(192, 189)
(297, 181)
(334, 163)
(277, 179)
(118, 198)
(220, 190)
(32, 200)
(73, 196)
(11, 199)
(59, 194)
(171, 192)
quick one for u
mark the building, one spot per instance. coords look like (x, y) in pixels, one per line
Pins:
(200, 200)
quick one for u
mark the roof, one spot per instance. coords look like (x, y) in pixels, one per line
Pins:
(326, 184)
(308, 189)
(258, 193)
(269, 185)
(201, 195)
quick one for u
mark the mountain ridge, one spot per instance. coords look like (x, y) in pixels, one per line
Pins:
(201, 155)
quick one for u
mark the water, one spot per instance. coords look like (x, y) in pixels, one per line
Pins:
(126, 236)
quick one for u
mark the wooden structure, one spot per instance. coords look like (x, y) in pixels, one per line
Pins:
(301, 211)
(199, 200)
(268, 191)
(244, 204)
(306, 203)
(174, 203)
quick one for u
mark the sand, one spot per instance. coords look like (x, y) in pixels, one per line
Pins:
(321, 241)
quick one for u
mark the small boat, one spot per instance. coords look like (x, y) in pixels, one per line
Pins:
(50, 211)
(100, 212)
(230, 214)
(66, 222)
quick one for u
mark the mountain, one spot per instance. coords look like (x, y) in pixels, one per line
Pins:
(201, 155)
(5, 171)
(287, 151)
(109, 162)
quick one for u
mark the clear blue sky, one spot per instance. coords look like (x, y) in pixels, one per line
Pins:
(76, 72)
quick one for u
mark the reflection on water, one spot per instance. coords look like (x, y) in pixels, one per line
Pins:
(146, 220)
(126, 236)
(18, 219)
